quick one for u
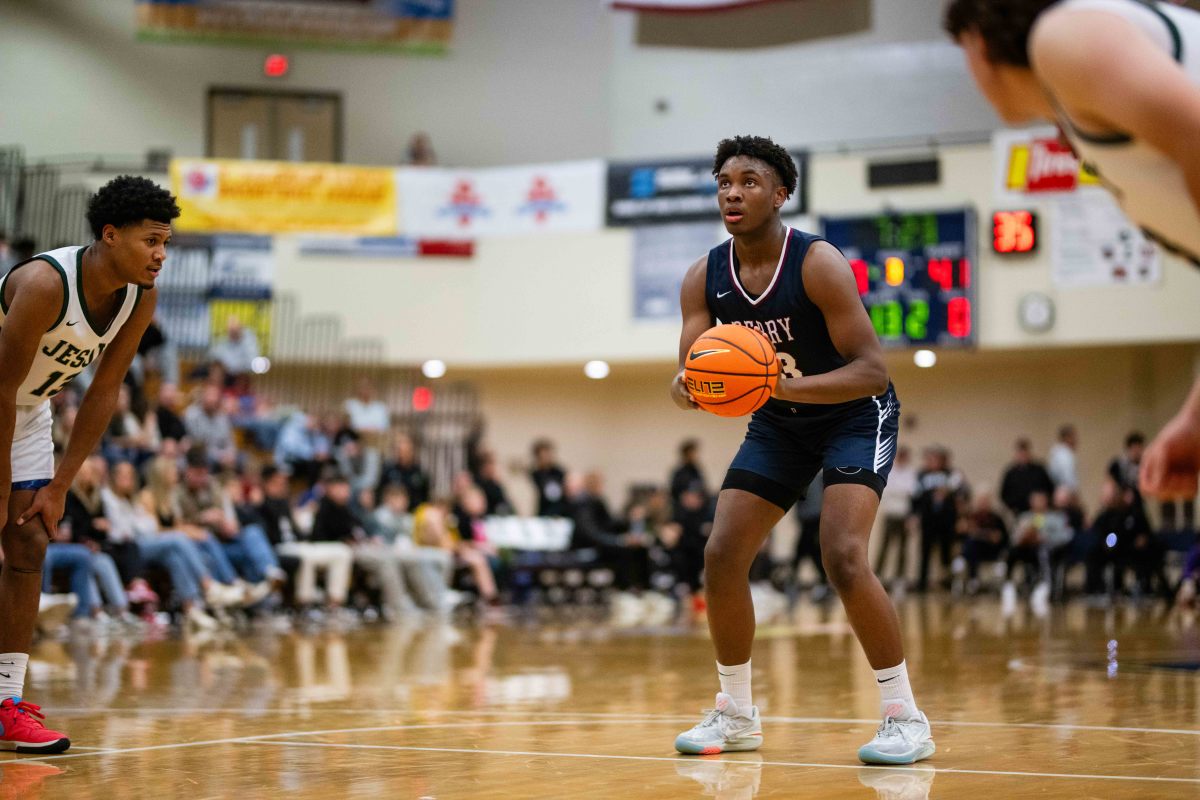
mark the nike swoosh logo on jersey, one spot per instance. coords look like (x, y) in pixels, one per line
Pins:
(703, 353)
(722, 294)
(69, 324)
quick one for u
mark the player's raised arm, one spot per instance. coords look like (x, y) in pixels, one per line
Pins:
(1111, 77)
(829, 282)
(696, 320)
(34, 296)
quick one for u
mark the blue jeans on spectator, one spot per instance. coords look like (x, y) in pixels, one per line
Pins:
(106, 582)
(216, 559)
(251, 554)
(181, 558)
(77, 560)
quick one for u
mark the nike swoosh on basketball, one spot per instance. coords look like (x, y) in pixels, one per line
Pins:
(703, 353)
(722, 294)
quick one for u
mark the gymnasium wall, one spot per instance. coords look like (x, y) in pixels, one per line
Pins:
(525, 81)
(566, 298)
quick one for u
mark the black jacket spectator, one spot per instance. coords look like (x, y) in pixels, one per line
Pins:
(1024, 477)
(336, 522)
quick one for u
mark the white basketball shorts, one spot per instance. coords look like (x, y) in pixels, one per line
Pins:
(32, 447)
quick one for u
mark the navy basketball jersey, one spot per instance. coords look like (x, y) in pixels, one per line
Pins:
(783, 313)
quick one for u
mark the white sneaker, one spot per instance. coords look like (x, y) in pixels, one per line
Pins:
(1008, 599)
(1039, 599)
(222, 595)
(910, 783)
(198, 621)
(724, 729)
(255, 593)
(899, 741)
(724, 779)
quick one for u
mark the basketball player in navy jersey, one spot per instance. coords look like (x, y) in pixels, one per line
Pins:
(60, 311)
(1121, 78)
(834, 410)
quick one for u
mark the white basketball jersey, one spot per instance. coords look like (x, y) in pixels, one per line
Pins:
(1149, 186)
(75, 339)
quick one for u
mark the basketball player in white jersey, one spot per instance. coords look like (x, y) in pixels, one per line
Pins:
(1121, 78)
(59, 312)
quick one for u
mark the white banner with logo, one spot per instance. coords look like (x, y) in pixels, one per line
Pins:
(501, 201)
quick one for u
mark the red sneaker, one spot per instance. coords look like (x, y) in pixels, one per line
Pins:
(21, 729)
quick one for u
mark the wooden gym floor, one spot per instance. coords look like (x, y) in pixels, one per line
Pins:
(1085, 704)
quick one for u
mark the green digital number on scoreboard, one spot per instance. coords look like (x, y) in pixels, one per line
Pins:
(914, 271)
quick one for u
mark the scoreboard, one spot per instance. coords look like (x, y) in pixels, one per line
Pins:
(915, 273)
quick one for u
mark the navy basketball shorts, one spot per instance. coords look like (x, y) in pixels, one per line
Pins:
(784, 449)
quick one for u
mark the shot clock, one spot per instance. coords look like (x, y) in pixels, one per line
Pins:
(915, 273)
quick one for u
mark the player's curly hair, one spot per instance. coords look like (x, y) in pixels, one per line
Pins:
(127, 200)
(1003, 24)
(765, 150)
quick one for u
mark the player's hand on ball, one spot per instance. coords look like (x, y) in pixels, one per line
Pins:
(1172, 461)
(680, 394)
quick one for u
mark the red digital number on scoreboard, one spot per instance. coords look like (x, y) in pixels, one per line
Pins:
(958, 317)
(1014, 232)
(861, 276)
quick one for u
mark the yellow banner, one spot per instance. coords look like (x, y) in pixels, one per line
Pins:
(231, 196)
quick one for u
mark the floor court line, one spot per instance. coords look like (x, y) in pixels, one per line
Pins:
(680, 759)
(636, 717)
(271, 739)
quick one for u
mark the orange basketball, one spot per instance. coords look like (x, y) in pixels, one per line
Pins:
(731, 370)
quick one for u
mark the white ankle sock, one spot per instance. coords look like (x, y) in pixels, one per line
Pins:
(895, 694)
(12, 674)
(735, 682)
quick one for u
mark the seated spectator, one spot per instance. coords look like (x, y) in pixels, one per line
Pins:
(1037, 534)
(1022, 478)
(203, 503)
(302, 448)
(369, 416)
(208, 425)
(1121, 538)
(129, 438)
(131, 518)
(358, 464)
(425, 571)
(83, 517)
(236, 350)
(404, 470)
(549, 479)
(170, 425)
(986, 539)
(327, 548)
(162, 497)
(619, 550)
(487, 478)
(432, 528)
